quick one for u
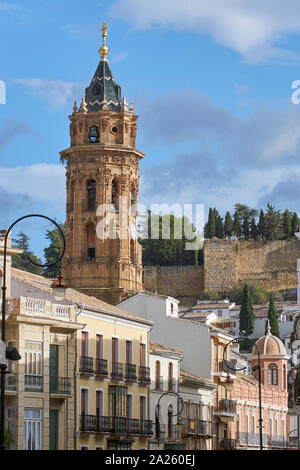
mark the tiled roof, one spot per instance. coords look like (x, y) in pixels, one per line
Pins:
(75, 296)
(155, 346)
(185, 375)
(103, 87)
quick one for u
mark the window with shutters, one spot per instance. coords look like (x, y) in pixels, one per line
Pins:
(33, 366)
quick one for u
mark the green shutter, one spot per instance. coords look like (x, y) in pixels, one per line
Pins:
(53, 430)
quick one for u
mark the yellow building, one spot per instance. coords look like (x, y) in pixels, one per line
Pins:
(83, 377)
(113, 378)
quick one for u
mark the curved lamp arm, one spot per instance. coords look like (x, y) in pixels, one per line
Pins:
(157, 423)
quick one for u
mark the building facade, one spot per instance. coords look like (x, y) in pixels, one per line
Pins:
(103, 256)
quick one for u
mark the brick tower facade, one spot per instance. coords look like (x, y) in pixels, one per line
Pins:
(103, 256)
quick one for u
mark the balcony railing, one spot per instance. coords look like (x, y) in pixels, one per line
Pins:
(115, 425)
(101, 367)
(227, 444)
(60, 385)
(144, 374)
(130, 372)
(33, 383)
(171, 384)
(116, 370)
(228, 406)
(86, 365)
(253, 439)
(198, 427)
(158, 383)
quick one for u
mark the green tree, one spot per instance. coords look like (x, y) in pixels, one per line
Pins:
(210, 227)
(228, 225)
(53, 251)
(253, 229)
(295, 222)
(287, 224)
(246, 312)
(236, 225)
(273, 224)
(21, 260)
(219, 226)
(245, 212)
(273, 317)
(261, 226)
(157, 249)
(246, 231)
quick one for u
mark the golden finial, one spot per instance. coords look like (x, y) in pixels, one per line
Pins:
(104, 49)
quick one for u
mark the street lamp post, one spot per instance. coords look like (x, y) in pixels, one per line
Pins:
(57, 286)
(256, 367)
(157, 423)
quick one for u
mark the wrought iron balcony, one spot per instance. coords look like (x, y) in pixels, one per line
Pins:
(157, 384)
(60, 385)
(116, 370)
(115, 425)
(130, 371)
(227, 444)
(101, 367)
(171, 384)
(198, 427)
(86, 365)
(33, 383)
(227, 406)
(144, 374)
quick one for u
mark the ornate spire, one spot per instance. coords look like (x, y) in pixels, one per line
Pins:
(268, 327)
(104, 49)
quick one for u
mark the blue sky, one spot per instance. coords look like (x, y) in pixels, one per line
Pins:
(210, 82)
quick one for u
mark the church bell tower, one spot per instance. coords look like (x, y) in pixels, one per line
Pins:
(103, 257)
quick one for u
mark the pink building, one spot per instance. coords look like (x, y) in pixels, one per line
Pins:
(274, 394)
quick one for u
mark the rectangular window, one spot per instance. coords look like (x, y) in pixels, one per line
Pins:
(84, 401)
(84, 343)
(129, 406)
(99, 403)
(99, 346)
(128, 352)
(117, 400)
(33, 366)
(114, 350)
(32, 429)
(142, 408)
(142, 354)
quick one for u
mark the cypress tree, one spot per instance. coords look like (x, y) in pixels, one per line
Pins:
(295, 222)
(253, 229)
(261, 228)
(236, 225)
(246, 228)
(210, 229)
(287, 224)
(228, 225)
(273, 317)
(219, 226)
(246, 312)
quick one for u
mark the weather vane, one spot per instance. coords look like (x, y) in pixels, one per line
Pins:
(104, 49)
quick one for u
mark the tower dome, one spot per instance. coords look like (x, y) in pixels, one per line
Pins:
(269, 345)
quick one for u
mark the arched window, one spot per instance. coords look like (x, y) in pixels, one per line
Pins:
(114, 195)
(90, 230)
(133, 199)
(91, 195)
(171, 385)
(272, 374)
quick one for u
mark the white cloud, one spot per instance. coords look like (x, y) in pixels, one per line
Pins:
(43, 184)
(253, 28)
(56, 93)
(119, 57)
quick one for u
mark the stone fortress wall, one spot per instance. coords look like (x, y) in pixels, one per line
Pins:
(227, 262)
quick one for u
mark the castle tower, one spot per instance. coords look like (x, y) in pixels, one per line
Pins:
(103, 256)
